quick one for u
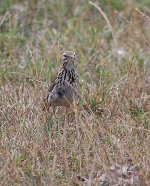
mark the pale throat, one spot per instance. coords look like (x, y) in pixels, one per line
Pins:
(69, 65)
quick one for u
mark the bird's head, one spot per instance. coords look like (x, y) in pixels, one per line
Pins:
(68, 59)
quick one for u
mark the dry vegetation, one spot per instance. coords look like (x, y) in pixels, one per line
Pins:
(108, 137)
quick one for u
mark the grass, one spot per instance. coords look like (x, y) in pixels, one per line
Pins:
(112, 118)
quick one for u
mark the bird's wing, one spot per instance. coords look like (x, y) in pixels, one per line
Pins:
(46, 105)
(53, 83)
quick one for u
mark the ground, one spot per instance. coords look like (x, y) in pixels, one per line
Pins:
(109, 130)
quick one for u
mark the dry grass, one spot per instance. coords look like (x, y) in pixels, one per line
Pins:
(111, 123)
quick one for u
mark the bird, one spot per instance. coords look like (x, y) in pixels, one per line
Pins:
(63, 90)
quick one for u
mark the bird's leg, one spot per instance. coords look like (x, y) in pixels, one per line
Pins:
(50, 119)
(54, 120)
(64, 146)
(75, 112)
(74, 107)
(54, 111)
(66, 122)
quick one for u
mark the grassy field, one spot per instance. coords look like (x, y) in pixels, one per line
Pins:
(108, 136)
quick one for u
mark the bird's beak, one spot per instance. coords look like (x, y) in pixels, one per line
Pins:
(73, 55)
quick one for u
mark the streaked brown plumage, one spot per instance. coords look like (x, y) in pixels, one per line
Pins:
(63, 89)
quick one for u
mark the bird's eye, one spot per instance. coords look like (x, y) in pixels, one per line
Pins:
(65, 56)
